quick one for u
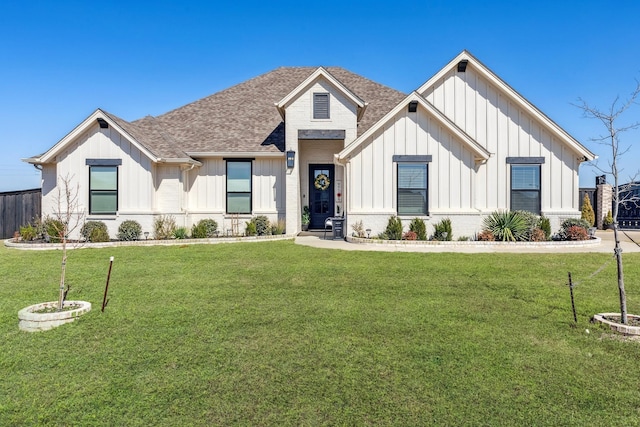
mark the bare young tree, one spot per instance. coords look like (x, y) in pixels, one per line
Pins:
(621, 193)
(67, 218)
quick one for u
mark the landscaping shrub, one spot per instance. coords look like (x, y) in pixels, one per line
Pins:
(205, 228)
(507, 226)
(28, 232)
(129, 230)
(564, 233)
(545, 226)
(163, 227)
(278, 227)
(262, 225)
(587, 211)
(538, 235)
(180, 233)
(95, 231)
(250, 230)
(410, 235)
(607, 220)
(576, 232)
(464, 239)
(442, 227)
(358, 229)
(419, 227)
(54, 229)
(394, 228)
(485, 236)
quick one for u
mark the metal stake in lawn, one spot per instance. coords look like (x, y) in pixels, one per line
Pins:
(106, 288)
(573, 304)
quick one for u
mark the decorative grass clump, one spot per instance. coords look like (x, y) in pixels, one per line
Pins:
(229, 334)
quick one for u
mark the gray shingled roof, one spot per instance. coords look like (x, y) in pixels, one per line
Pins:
(243, 118)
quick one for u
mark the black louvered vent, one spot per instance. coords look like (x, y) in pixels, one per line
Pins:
(320, 105)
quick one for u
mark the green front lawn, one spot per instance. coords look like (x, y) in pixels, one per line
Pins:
(278, 334)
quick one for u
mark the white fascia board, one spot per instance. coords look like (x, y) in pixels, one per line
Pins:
(520, 100)
(480, 152)
(320, 72)
(183, 161)
(237, 154)
(78, 130)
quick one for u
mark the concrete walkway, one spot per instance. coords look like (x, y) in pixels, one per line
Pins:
(629, 241)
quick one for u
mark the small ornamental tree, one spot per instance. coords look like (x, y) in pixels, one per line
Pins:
(610, 119)
(587, 211)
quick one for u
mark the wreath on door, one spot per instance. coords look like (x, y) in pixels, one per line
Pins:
(322, 182)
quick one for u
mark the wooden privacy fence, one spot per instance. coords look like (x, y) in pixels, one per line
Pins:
(18, 208)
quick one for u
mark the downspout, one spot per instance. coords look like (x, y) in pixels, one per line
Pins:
(185, 193)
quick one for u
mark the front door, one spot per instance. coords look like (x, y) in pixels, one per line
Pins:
(320, 194)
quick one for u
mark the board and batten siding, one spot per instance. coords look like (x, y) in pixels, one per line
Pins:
(450, 173)
(135, 180)
(499, 124)
(207, 192)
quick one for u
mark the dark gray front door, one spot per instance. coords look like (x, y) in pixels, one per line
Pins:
(321, 181)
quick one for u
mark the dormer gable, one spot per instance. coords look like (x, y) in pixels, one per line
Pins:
(321, 101)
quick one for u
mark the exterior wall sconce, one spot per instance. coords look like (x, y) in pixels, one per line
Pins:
(291, 159)
(413, 106)
(462, 66)
(103, 123)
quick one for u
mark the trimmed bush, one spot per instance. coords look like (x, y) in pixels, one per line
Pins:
(54, 229)
(263, 226)
(545, 226)
(419, 227)
(441, 228)
(163, 227)
(206, 228)
(410, 235)
(507, 226)
(575, 232)
(28, 232)
(250, 230)
(485, 236)
(180, 233)
(538, 235)
(568, 223)
(129, 230)
(394, 228)
(95, 231)
(587, 211)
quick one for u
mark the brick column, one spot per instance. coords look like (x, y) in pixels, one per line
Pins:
(604, 199)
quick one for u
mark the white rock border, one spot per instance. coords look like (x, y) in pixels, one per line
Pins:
(615, 326)
(31, 321)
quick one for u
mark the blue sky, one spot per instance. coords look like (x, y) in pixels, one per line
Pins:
(59, 61)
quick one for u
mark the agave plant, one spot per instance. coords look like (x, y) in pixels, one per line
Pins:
(509, 226)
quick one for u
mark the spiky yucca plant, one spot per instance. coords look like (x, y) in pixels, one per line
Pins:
(507, 226)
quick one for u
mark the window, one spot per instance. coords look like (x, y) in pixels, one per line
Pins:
(238, 186)
(525, 188)
(412, 189)
(320, 105)
(103, 190)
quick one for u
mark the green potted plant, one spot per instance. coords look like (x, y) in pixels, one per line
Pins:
(306, 218)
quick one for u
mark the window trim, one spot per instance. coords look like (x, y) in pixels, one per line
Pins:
(227, 192)
(315, 112)
(109, 163)
(412, 160)
(525, 163)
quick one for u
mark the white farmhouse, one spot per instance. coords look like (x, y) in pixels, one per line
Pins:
(461, 146)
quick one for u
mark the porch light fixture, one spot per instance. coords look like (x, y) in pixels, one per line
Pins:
(291, 159)
(103, 123)
(462, 66)
(413, 106)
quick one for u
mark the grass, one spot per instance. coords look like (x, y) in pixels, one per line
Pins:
(278, 334)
